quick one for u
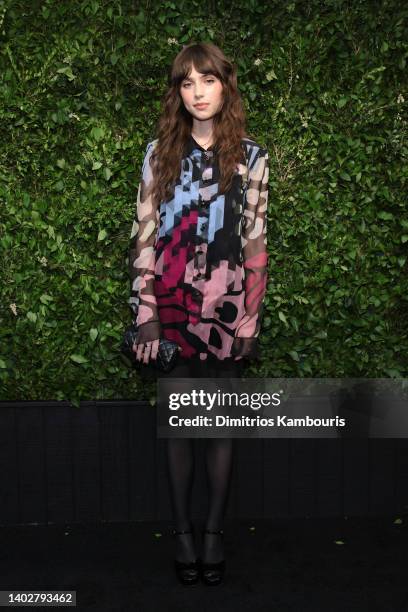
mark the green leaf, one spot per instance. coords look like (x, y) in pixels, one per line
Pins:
(97, 133)
(78, 358)
(282, 317)
(393, 372)
(102, 234)
(271, 75)
(386, 216)
(93, 333)
(67, 70)
(96, 165)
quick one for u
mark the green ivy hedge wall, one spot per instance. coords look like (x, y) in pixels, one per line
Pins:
(324, 87)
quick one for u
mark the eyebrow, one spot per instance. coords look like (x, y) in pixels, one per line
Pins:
(203, 77)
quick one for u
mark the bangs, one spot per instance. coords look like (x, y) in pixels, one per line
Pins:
(202, 63)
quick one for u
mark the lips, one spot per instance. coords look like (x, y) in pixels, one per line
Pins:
(200, 106)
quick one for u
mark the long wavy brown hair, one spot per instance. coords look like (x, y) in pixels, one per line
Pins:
(175, 122)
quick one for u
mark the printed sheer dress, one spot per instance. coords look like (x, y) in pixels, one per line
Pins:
(198, 263)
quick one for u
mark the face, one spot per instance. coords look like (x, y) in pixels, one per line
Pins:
(197, 88)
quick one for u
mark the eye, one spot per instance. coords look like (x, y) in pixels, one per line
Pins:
(211, 80)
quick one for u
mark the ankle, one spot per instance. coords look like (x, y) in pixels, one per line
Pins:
(183, 527)
(213, 546)
(213, 530)
(185, 550)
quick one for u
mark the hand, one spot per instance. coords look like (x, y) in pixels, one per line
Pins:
(146, 351)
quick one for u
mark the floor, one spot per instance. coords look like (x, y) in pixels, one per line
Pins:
(296, 564)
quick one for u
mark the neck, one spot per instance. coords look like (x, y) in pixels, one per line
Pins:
(202, 129)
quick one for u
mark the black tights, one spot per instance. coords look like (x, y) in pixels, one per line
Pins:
(218, 464)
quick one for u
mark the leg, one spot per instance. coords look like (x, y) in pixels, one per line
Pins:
(180, 463)
(219, 462)
(218, 455)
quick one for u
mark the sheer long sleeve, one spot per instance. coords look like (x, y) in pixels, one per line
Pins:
(254, 258)
(142, 299)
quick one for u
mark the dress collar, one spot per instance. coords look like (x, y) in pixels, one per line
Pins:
(192, 145)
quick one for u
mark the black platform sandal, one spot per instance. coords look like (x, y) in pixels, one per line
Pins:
(187, 573)
(213, 573)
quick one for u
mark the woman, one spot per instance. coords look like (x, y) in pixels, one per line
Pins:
(198, 266)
